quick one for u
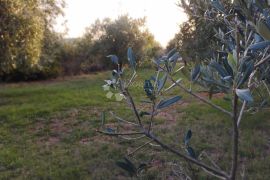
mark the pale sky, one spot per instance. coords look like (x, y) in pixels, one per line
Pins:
(163, 16)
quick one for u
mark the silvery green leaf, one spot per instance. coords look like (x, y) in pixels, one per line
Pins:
(109, 82)
(232, 61)
(259, 45)
(119, 97)
(114, 72)
(171, 53)
(114, 58)
(166, 103)
(195, 73)
(222, 72)
(217, 4)
(187, 137)
(227, 67)
(109, 95)
(128, 166)
(174, 57)
(191, 152)
(106, 87)
(162, 82)
(131, 58)
(246, 68)
(227, 78)
(258, 38)
(244, 95)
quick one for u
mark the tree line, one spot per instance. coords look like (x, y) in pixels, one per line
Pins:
(30, 49)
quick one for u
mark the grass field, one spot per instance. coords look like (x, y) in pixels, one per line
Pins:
(48, 131)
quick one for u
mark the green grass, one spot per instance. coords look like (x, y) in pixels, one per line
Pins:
(48, 131)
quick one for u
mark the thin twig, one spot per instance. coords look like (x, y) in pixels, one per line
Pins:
(119, 134)
(134, 75)
(201, 98)
(178, 70)
(211, 160)
(220, 177)
(134, 108)
(265, 51)
(267, 88)
(132, 139)
(154, 145)
(249, 37)
(173, 85)
(140, 147)
(262, 61)
(212, 170)
(235, 136)
(122, 120)
(245, 103)
(156, 80)
(152, 116)
(241, 113)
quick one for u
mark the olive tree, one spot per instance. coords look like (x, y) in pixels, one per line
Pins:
(115, 36)
(239, 67)
(24, 26)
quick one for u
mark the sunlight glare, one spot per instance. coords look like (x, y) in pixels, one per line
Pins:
(163, 16)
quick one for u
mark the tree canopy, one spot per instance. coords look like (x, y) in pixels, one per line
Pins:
(31, 49)
(114, 37)
(24, 28)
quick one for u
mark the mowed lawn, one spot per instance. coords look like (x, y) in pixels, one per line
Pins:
(48, 131)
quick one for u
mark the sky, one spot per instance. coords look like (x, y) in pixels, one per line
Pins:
(163, 16)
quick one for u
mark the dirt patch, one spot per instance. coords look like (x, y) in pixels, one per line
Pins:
(167, 116)
(39, 126)
(52, 81)
(48, 141)
(53, 140)
(59, 127)
(99, 138)
(85, 140)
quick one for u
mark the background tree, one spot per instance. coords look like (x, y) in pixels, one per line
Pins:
(196, 37)
(114, 37)
(24, 27)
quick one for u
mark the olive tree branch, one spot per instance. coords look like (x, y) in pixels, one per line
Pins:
(212, 170)
(200, 98)
(245, 103)
(235, 136)
(267, 88)
(132, 139)
(264, 60)
(139, 148)
(122, 120)
(217, 172)
(119, 134)
(176, 83)
(152, 116)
